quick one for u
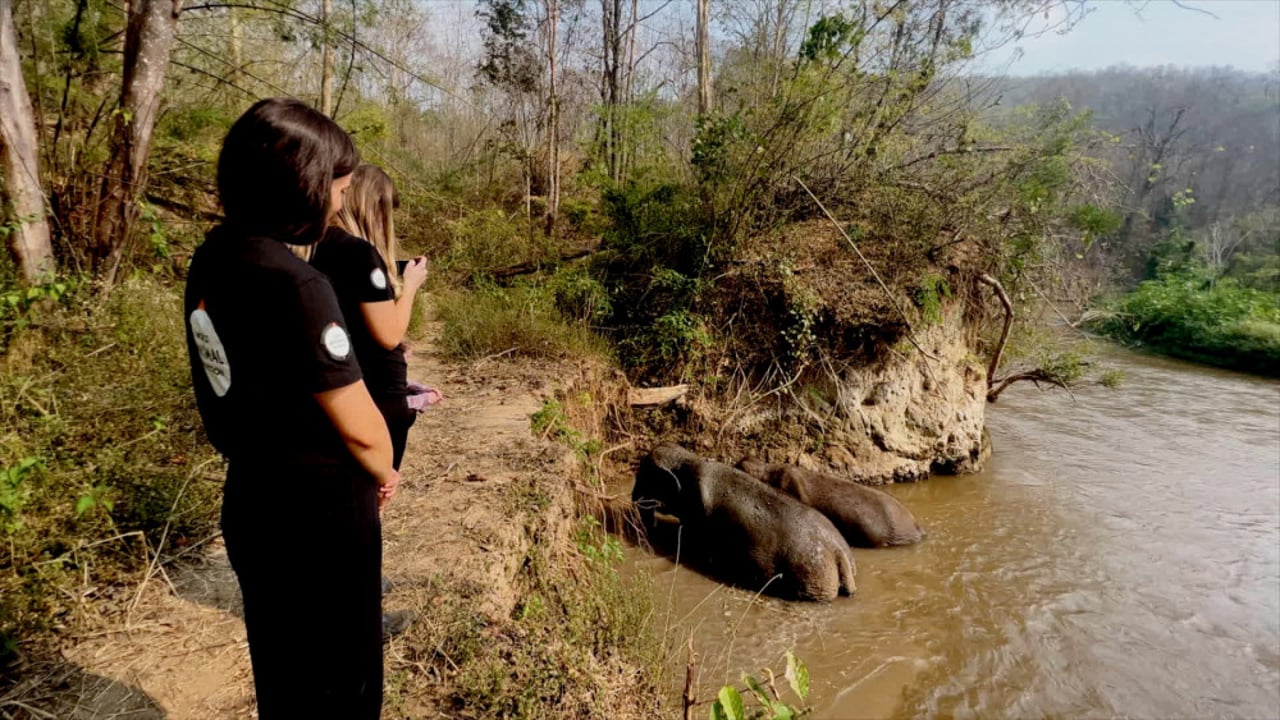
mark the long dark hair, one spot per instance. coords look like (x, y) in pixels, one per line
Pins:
(276, 168)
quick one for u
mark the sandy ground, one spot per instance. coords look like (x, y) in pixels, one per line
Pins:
(181, 652)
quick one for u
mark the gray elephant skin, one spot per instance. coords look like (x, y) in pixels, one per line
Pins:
(865, 516)
(741, 531)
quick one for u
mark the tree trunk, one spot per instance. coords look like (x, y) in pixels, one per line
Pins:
(777, 48)
(627, 148)
(611, 20)
(326, 60)
(553, 126)
(19, 162)
(148, 45)
(237, 39)
(704, 58)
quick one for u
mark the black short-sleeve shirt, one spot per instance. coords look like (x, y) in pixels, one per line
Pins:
(264, 335)
(360, 276)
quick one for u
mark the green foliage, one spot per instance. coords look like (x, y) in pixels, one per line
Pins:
(1094, 222)
(550, 422)
(929, 295)
(14, 494)
(17, 304)
(519, 320)
(100, 443)
(599, 547)
(577, 615)
(653, 264)
(1172, 255)
(716, 138)
(831, 37)
(1189, 315)
(154, 230)
(1112, 378)
(729, 703)
(491, 239)
(580, 297)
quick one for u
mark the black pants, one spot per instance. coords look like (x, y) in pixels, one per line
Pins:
(305, 543)
(399, 417)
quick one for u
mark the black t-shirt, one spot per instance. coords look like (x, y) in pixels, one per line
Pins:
(359, 276)
(264, 335)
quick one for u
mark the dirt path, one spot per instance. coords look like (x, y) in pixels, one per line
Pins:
(181, 652)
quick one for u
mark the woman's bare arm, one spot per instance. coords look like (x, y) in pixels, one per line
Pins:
(389, 320)
(358, 421)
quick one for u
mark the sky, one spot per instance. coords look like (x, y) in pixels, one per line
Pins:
(1245, 34)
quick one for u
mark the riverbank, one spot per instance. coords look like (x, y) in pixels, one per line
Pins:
(1187, 316)
(1118, 556)
(520, 609)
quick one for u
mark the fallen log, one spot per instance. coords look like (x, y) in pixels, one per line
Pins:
(642, 397)
(525, 268)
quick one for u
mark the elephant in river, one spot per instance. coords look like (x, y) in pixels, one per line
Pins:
(865, 516)
(742, 531)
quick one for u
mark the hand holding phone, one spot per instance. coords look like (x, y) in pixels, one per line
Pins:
(414, 273)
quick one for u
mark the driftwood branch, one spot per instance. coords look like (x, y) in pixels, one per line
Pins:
(1036, 376)
(994, 365)
(641, 397)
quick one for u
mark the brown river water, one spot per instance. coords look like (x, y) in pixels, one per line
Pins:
(1118, 557)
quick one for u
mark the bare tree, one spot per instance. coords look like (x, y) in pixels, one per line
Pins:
(326, 59)
(1220, 242)
(148, 45)
(611, 84)
(553, 112)
(704, 58)
(22, 198)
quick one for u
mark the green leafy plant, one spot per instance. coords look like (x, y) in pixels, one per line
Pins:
(1188, 315)
(730, 703)
(929, 295)
(14, 492)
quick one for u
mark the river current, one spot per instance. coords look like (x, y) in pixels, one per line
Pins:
(1119, 556)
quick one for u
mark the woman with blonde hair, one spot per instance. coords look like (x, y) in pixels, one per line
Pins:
(359, 255)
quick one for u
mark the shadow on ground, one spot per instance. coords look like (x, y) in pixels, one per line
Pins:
(69, 692)
(209, 581)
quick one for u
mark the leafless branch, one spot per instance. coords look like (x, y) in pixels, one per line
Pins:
(1036, 376)
(995, 285)
(1185, 6)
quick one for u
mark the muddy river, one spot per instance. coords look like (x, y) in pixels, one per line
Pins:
(1119, 557)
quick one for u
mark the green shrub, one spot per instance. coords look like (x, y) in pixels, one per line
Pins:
(519, 320)
(486, 240)
(1190, 316)
(576, 617)
(580, 297)
(101, 447)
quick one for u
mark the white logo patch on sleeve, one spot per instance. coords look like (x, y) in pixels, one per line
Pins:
(212, 355)
(378, 278)
(335, 341)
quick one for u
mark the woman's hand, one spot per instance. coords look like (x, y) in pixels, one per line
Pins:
(415, 273)
(387, 487)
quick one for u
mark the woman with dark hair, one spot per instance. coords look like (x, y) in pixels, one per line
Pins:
(282, 398)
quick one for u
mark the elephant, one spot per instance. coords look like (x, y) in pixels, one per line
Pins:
(742, 531)
(865, 516)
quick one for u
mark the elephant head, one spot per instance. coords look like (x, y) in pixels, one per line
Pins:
(659, 487)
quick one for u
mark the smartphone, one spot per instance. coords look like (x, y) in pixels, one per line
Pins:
(401, 265)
